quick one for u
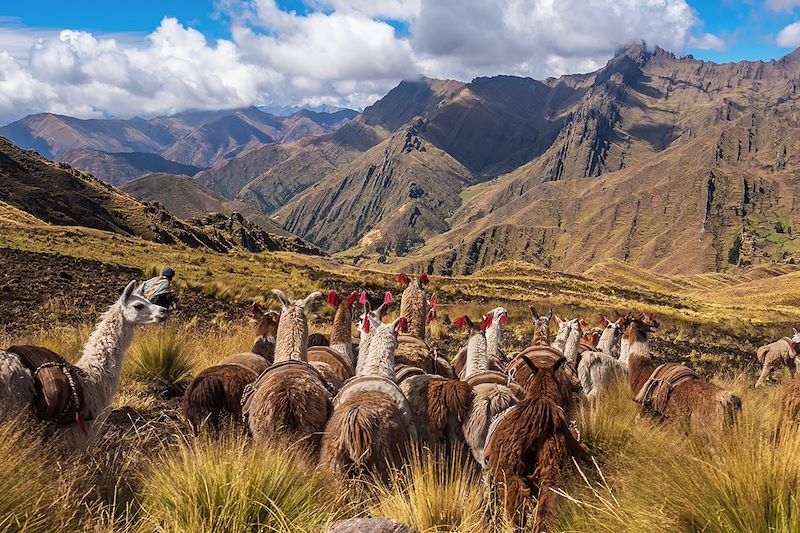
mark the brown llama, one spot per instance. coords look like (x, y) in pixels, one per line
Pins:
(336, 362)
(790, 403)
(217, 391)
(530, 447)
(290, 398)
(412, 349)
(372, 424)
(439, 405)
(492, 324)
(673, 393)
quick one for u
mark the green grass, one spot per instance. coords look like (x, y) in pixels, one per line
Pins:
(233, 487)
(159, 354)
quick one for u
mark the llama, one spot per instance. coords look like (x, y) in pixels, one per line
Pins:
(336, 362)
(440, 405)
(412, 349)
(624, 346)
(673, 393)
(782, 351)
(97, 372)
(530, 447)
(597, 370)
(290, 398)
(217, 391)
(790, 403)
(372, 424)
(569, 336)
(541, 328)
(494, 336)
(368, 322)
(495, 363)
(492, 396)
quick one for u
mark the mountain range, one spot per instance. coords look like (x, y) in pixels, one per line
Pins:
(669, 163)
(120, 150)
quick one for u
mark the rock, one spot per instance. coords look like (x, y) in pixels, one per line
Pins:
(369, 525)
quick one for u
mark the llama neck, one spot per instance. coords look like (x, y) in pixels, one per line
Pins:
(380, 359)
(541, 337)
(414, 306)
(103, 356)
(477, 361)
(640, 366)
(363, 350)
(606, 342)
(560, 341)
(291, 342)
(341, 338)
(624, 350)
(494, 337)
(264, 345)
(572, 345)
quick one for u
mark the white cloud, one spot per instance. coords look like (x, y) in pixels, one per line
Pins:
(344, 52)
(782, 5)
(707, 41)
(789, 37)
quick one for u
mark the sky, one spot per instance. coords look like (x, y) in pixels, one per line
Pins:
(95, 59)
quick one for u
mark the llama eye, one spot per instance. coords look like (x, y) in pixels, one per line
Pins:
(138, 307)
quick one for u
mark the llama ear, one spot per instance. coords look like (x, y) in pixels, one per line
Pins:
(460, 322)
(400, 325)
(486, 322)
(424, 279)
(795, 330)
(550, 315)
(333, 299)
(603, 322)
(311, 297)
(365, 325)
(282, 297)
(382, 310)
(387, 298)
(558, 364)
(530, 364)
(126, 294)
(351, 299)
(362, 299)
(534, 313)
(402, 279)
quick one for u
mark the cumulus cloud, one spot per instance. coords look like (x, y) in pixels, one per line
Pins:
(789, 37)
(782, 5)
(344, 52)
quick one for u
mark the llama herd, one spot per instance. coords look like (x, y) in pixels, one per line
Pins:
(361, 404)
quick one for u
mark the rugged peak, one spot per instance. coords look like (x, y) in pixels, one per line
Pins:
(636, 51)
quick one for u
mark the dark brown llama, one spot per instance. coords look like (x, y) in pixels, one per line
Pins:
(529, 448)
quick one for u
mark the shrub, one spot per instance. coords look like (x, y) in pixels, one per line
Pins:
(227, 486)
(434, 492)
(159, 356)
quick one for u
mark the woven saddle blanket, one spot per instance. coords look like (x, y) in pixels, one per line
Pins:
(657, 389)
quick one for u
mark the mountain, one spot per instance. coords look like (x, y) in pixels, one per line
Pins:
(59, 194)
(668, 163)
(285, 111)
(122, 167)
(194, 139)
(186, 198)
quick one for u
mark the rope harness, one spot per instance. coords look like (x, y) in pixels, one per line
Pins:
(656, 391)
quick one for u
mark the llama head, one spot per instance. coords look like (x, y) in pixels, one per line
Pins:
(638, 329)
(385, 335)
(138, 310)
(295, 309)
(499, 316)
(796, 336)
(267, 325)
(550, 379)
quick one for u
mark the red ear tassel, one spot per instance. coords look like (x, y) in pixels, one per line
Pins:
(352, 298)
(365, 325)
(434, 300)
(402, 279)
(253, 309)
(363, 298)
(402, 326)
(333, 299)
(487, 322)
(387, 298)
(431, 315)
(459, 322)
(603, 322)
(424, 278)
(503, 319)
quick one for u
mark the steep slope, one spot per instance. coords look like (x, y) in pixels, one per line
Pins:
(122, 167)
(387, 201)
(187, 199)
(697, 172)
(58, 194)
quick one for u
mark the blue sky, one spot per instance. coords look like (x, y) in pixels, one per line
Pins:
(92, 58)
(748, 27)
